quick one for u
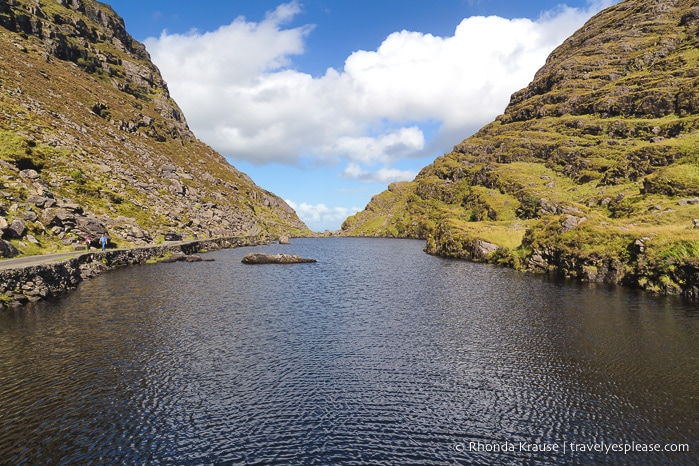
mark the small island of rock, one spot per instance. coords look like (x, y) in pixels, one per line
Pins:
(261, 258)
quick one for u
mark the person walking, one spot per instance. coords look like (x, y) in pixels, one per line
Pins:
(103, 241)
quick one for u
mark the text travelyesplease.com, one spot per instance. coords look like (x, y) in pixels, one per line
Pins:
(570, 447)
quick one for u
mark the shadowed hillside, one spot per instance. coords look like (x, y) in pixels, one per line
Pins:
(91, 142)
(592, 172)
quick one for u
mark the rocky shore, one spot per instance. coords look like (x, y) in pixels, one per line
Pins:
(32, 283)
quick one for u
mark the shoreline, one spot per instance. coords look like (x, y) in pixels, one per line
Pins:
(44, 280)
(49, 276)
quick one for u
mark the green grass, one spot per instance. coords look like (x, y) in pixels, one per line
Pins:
(50, 122)
(676, 180)
(608, 131)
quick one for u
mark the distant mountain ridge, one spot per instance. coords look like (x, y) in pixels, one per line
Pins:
(92, 142)
(592, 171)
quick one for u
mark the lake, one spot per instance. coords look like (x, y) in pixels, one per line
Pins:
(376, 354)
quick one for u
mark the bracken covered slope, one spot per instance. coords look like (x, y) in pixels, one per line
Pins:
(592, 171)
(91, 142)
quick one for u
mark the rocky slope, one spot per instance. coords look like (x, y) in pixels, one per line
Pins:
(592, 171)
(91, 142)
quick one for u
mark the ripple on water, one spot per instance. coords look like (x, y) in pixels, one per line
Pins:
(376, 354)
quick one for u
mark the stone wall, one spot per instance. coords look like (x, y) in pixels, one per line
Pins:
(33, 283)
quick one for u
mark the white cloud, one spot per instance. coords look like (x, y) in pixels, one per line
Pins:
(383, 175)
(318, 216)
(382, 148)
(240, 94)
(236, 53)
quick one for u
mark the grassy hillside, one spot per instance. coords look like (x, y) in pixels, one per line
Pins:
(91, 142)
(592, 172)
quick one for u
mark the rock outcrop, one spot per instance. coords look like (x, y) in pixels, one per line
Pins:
(261, 258)
(598, 151)
(92, 142)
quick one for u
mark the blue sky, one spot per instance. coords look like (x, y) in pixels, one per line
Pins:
(326, 102)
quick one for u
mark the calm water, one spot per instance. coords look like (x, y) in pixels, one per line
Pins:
(376, 354)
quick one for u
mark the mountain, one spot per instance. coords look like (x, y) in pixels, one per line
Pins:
(92, 142)
(592, 171)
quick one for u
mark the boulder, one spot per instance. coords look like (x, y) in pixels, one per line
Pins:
(283, 239)
(547, 207)
(537, 263)
(16, 230)
(57, 217)
(30, 216)
(483, 249)
(39, 201)
(640, 245)
(72, 207)
(138, 233)
(90, 226)
(7, 250)
(29, 173)
(570, 222)
(181, 257)
(261, 258)
(169, 171)
(175, 257)
(178, 188)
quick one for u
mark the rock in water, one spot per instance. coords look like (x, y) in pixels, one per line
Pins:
(261, 258)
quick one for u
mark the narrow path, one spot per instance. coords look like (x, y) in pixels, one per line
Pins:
(40, 259)
(27, 261)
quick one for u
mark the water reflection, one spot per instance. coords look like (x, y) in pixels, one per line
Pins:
(377, 354)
